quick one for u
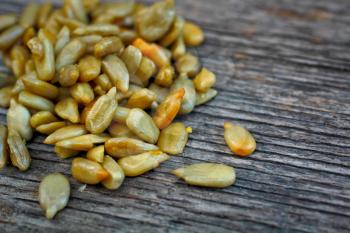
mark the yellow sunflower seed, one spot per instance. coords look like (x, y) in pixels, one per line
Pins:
(178, 49)
(66, 132)
(239, 139)
(68, 75)
(82, 93)
(188, 65)
(131, 56)
(101, 114)
(99, 29)
(142, 99)
(43, 14)
(174, 32)
(89, 68)
(41, 118)
(45, 66)
(108, 45)
(88, 172)
(145, 71)
(70, 53)
(19, 154)
(136, 165)
(141, 124)
(122, 147)
(116, 174)
(173, 138)
(204, 80)
(10, 36)
(96, 154)
(54, 192)
(165, 76)
(82, 143)
(29, 15)
(117, 72)
(193, 34)
(19, 56)
(5, 96)
(39, 87)
(189, 100)
(7, 21)
(51, 127)
(18, 119)
(207, 175)
(63, 39)
(118, 130)
(68, 109)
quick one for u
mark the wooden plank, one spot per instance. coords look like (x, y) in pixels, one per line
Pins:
(283, 70)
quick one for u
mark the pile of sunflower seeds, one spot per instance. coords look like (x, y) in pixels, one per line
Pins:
(105, 81)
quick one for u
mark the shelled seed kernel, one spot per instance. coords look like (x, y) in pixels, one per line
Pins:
(207, 175)
(239, 140)
(88, 172)
(54, 192)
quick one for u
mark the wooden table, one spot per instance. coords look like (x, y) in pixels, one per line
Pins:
(283, 71)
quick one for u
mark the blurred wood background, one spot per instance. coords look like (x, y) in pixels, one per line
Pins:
(283, 71)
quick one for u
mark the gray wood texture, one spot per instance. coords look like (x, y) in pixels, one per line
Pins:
(283, 71)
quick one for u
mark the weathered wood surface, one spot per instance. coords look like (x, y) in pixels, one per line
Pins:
(283, 70)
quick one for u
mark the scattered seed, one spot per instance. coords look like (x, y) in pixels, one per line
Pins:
(178, 49)
(54, 192)
(193, 34)
(239, 140)
(207, 175)
(145, 71)
(88, 172)
(161, 92)
(118, 130)
(132, 57)
(63, 39)
(136, 165)
(108, 45)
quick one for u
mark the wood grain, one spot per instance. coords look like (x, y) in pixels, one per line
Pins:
(283, 71)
